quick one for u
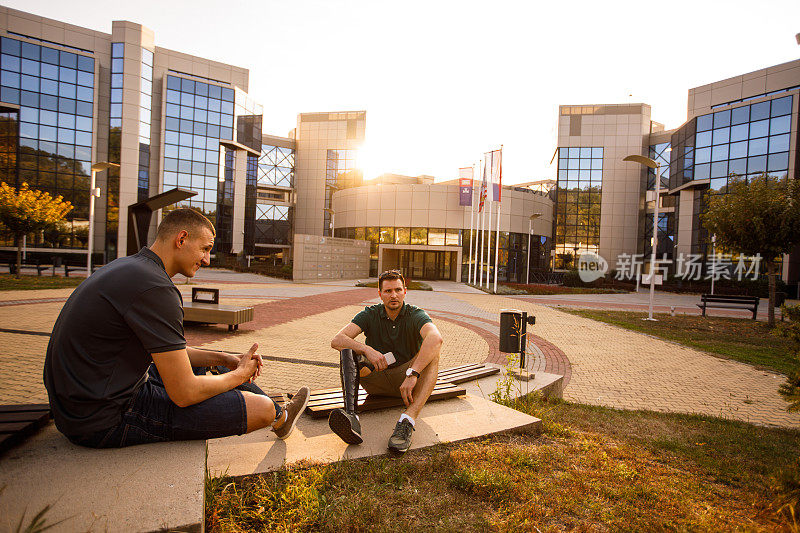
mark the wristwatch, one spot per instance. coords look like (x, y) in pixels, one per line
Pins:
(411, 372)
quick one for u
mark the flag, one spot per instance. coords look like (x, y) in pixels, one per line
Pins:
(497, 174)
(465, 186)
(483, 190)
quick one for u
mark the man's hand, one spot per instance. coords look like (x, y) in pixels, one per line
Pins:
(407, 389)
(377, 359)
(249, 365)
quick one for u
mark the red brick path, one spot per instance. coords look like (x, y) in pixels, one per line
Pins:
(281, 311)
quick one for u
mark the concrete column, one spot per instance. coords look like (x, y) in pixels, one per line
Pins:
(239, 182)
(683, 244)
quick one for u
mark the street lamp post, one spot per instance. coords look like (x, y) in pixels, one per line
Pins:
(530, 230)
(94, 192)
(713, 260)
(646, 161)
(332, 213)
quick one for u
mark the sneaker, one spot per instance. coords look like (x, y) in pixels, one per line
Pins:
(293, 411)
(346, 426)
(400, 441)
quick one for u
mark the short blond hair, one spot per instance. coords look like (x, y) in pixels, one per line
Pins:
(183, 218)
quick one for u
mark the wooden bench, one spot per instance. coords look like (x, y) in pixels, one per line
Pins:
(205, 309)
(322, 402)
(12, 267)
(17, 422)
(749, 303)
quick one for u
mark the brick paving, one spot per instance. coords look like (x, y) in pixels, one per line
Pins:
(294, 323)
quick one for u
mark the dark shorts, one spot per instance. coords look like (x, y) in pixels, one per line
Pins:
(386, 382)
(151, 416)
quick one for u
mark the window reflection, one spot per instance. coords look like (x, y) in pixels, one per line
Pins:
(54, 89)
(578, 198)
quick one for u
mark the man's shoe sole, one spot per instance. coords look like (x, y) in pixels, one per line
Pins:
(340, 424)
(294, 422)
(399, 450)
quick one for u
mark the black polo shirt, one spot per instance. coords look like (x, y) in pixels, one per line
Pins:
(100, 347)
(399, 336)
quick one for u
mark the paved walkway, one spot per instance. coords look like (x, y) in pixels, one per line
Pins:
(294, 323)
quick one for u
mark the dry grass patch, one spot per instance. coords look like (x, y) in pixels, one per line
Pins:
(593, 469)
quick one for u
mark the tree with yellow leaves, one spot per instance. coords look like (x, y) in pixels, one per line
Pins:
(28, 210)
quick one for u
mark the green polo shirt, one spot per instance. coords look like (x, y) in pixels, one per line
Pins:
(400, 336)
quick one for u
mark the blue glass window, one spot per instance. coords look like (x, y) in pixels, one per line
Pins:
(779, 143)
(702, 155)
(780, 124)
(705, 122)
(722, 136)
(757, 164)
(740, 115)
(738, 149)
(781, 106)
(719, 169)
(759, 129)
(737, 166)
(758, 146)
(759, 111)
(703, 139)
(778, 162)
(702, 171)
(719, 152)
(739, 133)
(722, 119)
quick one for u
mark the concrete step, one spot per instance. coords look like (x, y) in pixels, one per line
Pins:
(452, 420)
(140, 488)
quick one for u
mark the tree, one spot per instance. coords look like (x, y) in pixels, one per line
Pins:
(759, 216)
(26, 210)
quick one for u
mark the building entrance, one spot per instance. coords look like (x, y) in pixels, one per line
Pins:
(419, 264)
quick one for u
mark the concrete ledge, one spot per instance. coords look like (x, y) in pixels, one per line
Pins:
(140, 488)
(453, 420)
(548, 385)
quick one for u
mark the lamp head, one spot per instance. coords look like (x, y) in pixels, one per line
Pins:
(642, 160)
(103, 165)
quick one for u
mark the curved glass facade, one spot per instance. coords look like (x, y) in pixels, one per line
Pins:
(55, 91)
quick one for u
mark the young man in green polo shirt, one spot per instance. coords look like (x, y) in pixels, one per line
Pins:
(400, 357)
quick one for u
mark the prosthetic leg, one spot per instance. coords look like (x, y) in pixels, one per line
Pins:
(344, 422)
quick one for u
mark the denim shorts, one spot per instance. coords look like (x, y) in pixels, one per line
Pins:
(151, 416)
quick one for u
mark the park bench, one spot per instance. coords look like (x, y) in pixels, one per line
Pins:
(12, 266)
(322, 402)
(749, 303)
(206, 309)
(17, 422)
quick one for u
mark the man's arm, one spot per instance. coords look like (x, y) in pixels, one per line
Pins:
(185, 388)
(430, 349)
(346, 339)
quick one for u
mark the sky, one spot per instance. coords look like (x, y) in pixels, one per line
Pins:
(442, 82)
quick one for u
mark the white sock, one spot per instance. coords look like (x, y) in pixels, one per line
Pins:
(406, 417)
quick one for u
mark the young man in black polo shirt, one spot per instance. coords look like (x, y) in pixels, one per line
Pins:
(118, 371)
(414, 342)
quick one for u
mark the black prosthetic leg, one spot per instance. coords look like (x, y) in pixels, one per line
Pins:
(344, 422)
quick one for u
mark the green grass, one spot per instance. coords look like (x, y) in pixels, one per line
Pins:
(593, 468)
(541, 289)
(740, 339)
(11, 283)
(411, 285)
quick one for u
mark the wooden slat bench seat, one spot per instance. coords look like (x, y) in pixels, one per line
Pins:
(206, 309)
(749, 303)
(321, 406)
(217, 314)
(17, 422)
(322, 402)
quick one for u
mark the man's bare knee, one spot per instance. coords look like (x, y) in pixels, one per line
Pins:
(260, 411)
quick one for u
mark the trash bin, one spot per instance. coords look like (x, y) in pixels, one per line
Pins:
(512, 330)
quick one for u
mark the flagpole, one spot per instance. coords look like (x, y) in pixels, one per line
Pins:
(471, 217)
(479, 240)
(474, 237)
(499, 196)
(490, 187)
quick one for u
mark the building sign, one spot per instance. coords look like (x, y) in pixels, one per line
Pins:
(465, 191)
